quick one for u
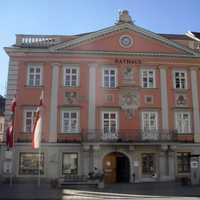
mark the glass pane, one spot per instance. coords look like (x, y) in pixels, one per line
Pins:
(29, 163)
(70, 163)
(37, 70)
(74, 115)
(31, 70)
(66, 115)
(74, 71)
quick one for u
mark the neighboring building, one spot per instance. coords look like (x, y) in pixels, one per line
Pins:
(2, 117)
(122, 99)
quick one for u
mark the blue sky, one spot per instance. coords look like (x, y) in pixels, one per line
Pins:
(65, 17)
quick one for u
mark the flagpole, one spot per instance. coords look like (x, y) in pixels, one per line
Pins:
(13, 135)
(39, 167)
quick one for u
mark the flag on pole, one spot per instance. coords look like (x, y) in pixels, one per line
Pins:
(37, 128)
(13, 105)
(9, 137)
(10, 131)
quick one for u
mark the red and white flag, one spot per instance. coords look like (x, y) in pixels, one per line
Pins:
(37, 128)
(13, 105)
(10, 131)
(10, 137)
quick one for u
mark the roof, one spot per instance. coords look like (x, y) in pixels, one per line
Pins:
(196, 34)
(175, 36)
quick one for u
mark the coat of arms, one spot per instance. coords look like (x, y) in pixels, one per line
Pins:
(129, 102)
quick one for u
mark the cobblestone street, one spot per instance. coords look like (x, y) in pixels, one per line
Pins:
(140, 191)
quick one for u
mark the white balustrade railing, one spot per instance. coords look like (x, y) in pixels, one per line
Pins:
(37, 40)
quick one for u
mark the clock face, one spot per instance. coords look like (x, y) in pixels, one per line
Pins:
(126, 41)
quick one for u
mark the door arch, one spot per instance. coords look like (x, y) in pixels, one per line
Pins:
(116, 168)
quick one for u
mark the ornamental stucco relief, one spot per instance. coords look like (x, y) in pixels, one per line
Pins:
(129, 102)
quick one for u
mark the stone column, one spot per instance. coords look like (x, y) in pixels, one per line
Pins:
(164, 98)
(131, 161)
(86, 159)
(54, 103)
(171, 158)
(163, 163)
(96, 157)
(195, 104)
(136, 166)
(53, 163)
(92, 97)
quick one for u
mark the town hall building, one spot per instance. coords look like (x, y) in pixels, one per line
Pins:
(123, 99)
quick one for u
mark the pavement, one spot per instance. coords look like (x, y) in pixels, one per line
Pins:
(139, 191)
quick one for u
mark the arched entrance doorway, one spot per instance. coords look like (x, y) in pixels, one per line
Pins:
(116, 168)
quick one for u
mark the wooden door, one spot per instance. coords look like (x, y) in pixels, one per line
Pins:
(109, 166)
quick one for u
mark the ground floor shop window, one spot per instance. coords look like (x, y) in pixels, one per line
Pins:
(183, 162)
(70, 163)
(148, 164)
(29, 163)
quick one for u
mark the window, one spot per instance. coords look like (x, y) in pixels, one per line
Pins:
(70, 121)
(180, 80)
(148, 164)
(148, 78)
(70, 163)
(148, 99)
(1, 127)
(29, 117)
(109, 78)
(183, 122)
(149, 121)
(110, 122)
(183, 162)
(34, 75)
(71, 76)
(29, 163)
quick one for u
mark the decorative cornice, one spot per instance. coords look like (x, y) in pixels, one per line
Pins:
(26, 51)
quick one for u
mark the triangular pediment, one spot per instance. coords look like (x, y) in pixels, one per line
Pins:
(110, 39)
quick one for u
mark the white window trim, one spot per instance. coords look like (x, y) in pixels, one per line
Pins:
(154, 78)
(186, 79)
(41, 74)
(176, 124)
(102, 119)
(142, 119)
(62, 119)
(116, 76)
(24, 118)
(71, 66)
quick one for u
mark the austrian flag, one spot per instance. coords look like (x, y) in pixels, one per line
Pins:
(37, 128)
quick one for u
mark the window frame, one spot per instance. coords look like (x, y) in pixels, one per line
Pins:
(42, 171)
(185, 77)
(78, 120)
(150, 172)
(182, 164)
(33, 112)
(77, 167)
(35, 66)
(156, 120)
(71, 67)
(176, 122)
(116, 120)
(142, 76)
(116, 77)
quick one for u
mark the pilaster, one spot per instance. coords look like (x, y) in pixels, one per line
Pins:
(92, 97)
(164, 98)
(195, 104)
(54, 103)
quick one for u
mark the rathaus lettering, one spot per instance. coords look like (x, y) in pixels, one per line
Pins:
(127, 61)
